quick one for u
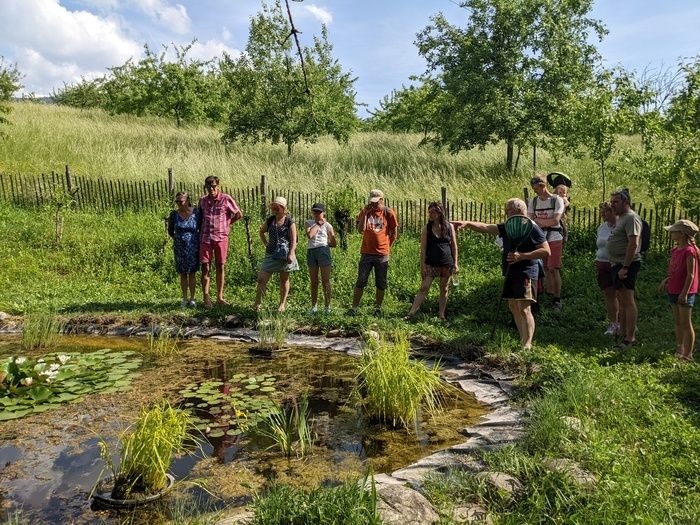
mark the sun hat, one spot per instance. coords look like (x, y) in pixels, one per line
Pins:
(375, 195)
(557, 178)
(685, 226)
(318, 207)
(280, 201)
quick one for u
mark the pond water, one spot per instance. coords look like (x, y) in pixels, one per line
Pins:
(50, 461)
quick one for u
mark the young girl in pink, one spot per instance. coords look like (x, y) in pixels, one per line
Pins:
(682, 285)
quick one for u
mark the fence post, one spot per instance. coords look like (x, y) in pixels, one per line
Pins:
(171, 183)
(526, 195)
(263, 198)
(443, 196)
(69, 179)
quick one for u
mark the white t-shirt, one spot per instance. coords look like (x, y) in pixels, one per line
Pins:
(547, 209)
(321, 237)
(601, 242)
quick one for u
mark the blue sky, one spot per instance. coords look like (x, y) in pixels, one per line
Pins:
(56, 41)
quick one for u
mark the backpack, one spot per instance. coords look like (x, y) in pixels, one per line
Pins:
(646, 237)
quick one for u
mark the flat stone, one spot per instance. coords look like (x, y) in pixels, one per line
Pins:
(470, 513)
(505, 485)
(384, 479)
(439, 462)
(239, 517)
(571, 468)
(496, 435)
(399, 505)
(483, 392)
(501, 416)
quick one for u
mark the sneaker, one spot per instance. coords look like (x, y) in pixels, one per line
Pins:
(352, 312)
(183, 304)
(327, 310)
(313, 310)
(613, 329)
(377, 311)
(192, 303)
(556, 305)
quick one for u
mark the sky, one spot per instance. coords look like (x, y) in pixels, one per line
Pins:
(61, 41)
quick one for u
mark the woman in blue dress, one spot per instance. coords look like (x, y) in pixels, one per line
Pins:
(183, 227)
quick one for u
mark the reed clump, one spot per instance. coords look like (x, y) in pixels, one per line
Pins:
(41, 330)
(290, 427)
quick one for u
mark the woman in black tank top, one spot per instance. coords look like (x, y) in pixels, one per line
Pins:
(438, 256)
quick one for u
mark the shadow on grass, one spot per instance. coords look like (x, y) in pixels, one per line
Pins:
(685, 378)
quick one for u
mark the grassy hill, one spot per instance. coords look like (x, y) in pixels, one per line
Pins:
(94, 143)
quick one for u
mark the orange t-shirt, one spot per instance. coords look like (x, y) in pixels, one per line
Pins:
(375, 227)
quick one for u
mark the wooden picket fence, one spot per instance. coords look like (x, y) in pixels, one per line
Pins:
(101, 194)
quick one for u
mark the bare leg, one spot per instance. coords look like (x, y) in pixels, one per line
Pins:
(192, 282)
(206, 281)
(357, 297)
(628, 313)
(263, 278)
(553, 281)
(183, 286)
(220, 283)
(284, 290)
(313, 278)
(326, 281)
(420, 296)
(687, 332)
(444, 292)
(612, 307)
(524, 320)
(379, 298)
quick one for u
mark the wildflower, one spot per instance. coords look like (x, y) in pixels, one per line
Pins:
(20, 360)
(27, 381)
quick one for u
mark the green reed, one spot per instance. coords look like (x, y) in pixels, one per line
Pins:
(41, 330)
(162, 341)
(290, 428)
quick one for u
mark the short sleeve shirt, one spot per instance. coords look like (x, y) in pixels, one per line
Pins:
(375, 235)
(216, 217)
(678, 269)
(628, 225)
(526, 266)
(321, 237)
(547, 209)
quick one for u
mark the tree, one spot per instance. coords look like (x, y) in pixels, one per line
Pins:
(9, 84)
(508, 72)
(274, 99)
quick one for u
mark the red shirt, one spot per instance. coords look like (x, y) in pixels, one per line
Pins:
(217, 214)
(375, 228)
(678, 269)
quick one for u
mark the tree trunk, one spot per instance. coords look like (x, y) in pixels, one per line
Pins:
(509, 155)
(290, 145)
(602, 172)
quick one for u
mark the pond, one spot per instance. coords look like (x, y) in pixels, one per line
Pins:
(50, 461)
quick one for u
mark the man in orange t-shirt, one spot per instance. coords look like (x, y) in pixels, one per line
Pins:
(379, 229)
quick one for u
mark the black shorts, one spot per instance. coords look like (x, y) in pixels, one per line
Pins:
(520, 287)
(380, 265)
(629, 282)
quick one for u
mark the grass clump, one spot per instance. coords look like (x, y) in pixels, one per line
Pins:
(290, 427)
(162, 342)
(147, 451)
(41, 330)
(395, 386)
(350, 504)
(272, 329)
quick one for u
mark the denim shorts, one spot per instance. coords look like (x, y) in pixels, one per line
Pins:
(673, 299)
(320, 256)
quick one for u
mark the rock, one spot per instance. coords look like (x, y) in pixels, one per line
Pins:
(505, 486)
(4, 316)
(496, 435)
(442, 461)
(232, 321)
(372, 334)
(470, 513)
(399, 505)
(484, 392)
(239, 517)
(573, 423)
(569, 467)
(501, 416)
(335, 333)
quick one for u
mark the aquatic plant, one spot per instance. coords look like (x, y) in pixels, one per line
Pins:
(41, 330)
(272, 329)
(147, 450)
(230, 408)
(162, 342)
(393, 385)
(290, 427)
(29, 385)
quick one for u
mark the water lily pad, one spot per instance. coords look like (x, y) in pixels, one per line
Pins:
(216, 433)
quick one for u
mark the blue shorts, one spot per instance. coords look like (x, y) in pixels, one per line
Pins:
(320, 256)
(673, 299)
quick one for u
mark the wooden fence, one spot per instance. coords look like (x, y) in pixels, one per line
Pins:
(100, 194)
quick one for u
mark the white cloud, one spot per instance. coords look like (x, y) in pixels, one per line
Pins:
(211, 49)
(51, 43)
(174, 17)
(319, 13)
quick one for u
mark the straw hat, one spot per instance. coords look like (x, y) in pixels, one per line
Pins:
(685, 226)
(280, 201)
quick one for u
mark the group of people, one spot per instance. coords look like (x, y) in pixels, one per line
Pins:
(201, 233)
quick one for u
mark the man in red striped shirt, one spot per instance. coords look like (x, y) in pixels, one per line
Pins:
(218, 211)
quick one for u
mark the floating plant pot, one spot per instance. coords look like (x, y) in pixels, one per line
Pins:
(103, 500)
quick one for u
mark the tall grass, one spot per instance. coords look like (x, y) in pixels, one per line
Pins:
(41, 330)
(272, 329)
(290, 427)
(147, 450)
(161, 342)
(93, 143)
(395, 387)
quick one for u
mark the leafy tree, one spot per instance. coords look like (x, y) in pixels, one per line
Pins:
(9, 84)
(274, 99)
(85, 94)
(507, 74)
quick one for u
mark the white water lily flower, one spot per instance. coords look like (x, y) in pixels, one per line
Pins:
(54, 367)
(20, 360)
(63, 358)
(40, 360)
(27, 381)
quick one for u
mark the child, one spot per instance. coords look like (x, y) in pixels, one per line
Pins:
(318, 255)
(682, 285)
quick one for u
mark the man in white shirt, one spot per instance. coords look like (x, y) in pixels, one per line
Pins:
(546, 209)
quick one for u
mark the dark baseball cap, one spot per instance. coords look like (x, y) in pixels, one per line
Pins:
(318, 207)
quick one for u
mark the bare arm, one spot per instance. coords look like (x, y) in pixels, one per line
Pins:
(262, 232)
(690, 274)
(312, 230)
(423, 247)
(332, 242)
(541, 251)
(292, 242)
(632, 247)
(453, 247)
(480, 227)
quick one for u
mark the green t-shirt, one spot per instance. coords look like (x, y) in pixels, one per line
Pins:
(628, 224)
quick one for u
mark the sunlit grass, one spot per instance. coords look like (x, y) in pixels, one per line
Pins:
(41, 330)
(162, 342)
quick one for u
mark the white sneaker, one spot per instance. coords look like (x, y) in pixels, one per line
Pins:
(313, 310)
(192, 303)
(613, 329)
(327, 310)
(183, 303)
